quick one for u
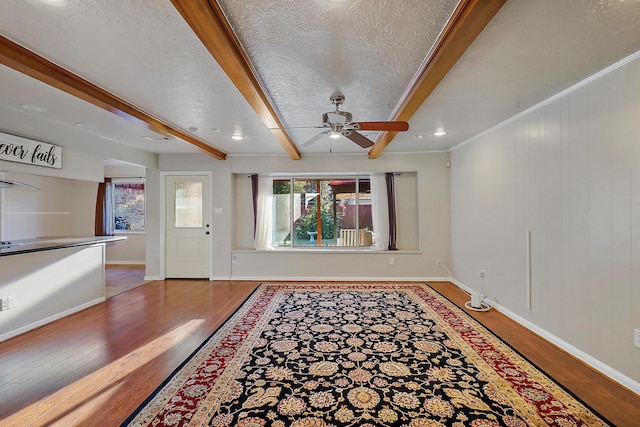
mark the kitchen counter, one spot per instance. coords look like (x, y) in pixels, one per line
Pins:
(15, 247)
(44, 279)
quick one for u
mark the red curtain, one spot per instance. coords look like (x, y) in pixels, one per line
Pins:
(104, 224)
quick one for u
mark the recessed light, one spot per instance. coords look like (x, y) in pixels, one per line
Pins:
(440, 132)
(237, 137)
(56, 2)
(108, 139)
(85, 125)
(35, 108)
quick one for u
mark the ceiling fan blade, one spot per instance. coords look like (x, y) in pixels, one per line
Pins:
(315, 138)
(359, 139)
(384, 126)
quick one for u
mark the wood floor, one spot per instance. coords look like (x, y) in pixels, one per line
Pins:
(95, 367)
(123, 277)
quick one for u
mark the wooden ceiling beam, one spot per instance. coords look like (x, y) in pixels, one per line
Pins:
(23, 60)
(209, 23)
(466, 23)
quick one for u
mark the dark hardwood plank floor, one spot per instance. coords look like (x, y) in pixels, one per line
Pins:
(95, 367)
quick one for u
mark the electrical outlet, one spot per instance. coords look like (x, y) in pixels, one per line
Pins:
(636, 338)
(392, 261)
(6, 303)
(234, 259)
(482, 274)
(438, 262)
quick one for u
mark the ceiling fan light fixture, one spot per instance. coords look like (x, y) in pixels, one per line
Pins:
(334, 135)
(237, 137)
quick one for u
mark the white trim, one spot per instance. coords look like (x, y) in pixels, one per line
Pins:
(50, 319)
(604, 369)
(112, 262)
(154, 278)
(462, 286)
(325, 250)
(553, 98)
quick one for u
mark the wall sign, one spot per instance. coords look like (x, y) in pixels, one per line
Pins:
(22, 150)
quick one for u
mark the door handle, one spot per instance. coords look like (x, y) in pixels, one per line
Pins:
(207, 233)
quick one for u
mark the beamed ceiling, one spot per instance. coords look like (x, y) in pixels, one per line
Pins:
(185, 76)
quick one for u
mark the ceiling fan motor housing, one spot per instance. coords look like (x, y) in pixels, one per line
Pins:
(327, 119)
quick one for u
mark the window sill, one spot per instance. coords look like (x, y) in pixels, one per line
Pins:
(118, 232)
(333, 250)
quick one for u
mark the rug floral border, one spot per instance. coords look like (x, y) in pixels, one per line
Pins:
(211, 365)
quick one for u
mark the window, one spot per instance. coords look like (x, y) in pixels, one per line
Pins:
(128, 205)
(322, 212)
(188, 206)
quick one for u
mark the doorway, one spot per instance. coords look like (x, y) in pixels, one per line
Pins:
(188, 226)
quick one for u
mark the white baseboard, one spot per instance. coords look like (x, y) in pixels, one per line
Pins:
(112, 262)
(50, 319)
(154, 278)
(599, 366)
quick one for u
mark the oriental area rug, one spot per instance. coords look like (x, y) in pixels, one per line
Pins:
(315, 354)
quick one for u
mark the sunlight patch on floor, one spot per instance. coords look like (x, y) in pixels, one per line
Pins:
(79, 407)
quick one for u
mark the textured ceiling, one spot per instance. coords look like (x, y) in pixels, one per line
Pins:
(302, 51)
(529, 52)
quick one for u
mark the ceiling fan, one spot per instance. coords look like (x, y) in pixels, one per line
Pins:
(340, 123)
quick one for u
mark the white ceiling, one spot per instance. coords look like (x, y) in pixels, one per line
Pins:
(144, 52)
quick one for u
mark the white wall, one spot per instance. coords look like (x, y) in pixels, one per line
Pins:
(62, 207)
(569, 171)
(229, 239)
(130, 251)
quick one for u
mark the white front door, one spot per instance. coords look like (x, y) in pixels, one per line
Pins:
(188, 227)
